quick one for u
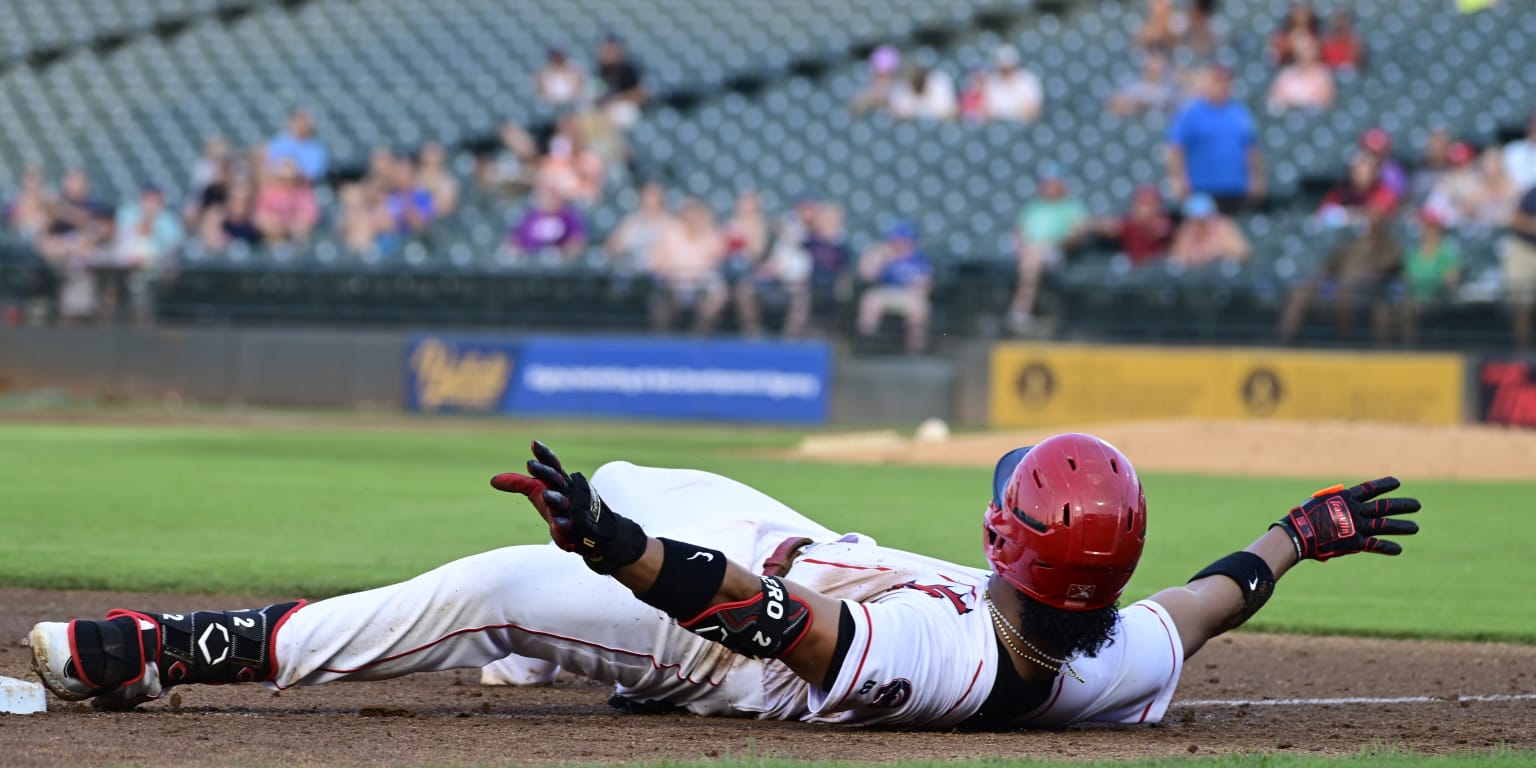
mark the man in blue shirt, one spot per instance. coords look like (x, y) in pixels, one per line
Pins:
(900, 278)
(1213, 147)
(298, 143)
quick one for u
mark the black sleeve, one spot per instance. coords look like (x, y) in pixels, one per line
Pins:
(844, 640)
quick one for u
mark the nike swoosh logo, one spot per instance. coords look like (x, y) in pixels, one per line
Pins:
(1253, 584)
(708, 557)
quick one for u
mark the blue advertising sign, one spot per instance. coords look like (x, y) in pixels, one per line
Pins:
(673, 378)
(459, 374)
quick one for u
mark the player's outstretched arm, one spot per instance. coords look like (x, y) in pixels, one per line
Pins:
(760, 616)
(1334, 521)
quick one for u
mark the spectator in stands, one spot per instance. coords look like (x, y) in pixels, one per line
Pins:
(1501, 195)
(900, 280)
(630, 244)
(1213, 147)
(381, 167)
(570, 168)
(1362, 267)
(1011, 92)
(600, 136)
(1455, 191)
(1520, 157)
(1205, 236)
(298, 143)
(559, 82)
(884, 64)
(1432, 166)
(286, 208)
(686, 267)
(1161, 31)
(211, 177)
(1378, 143)
(147, 236)
(924, 94)
(234, 220)
(1430, 272)
(433, 175)
(1201, 33)
(745, 267)
(973, 97)
(1145, 231)
(410, 206)
(623, 94)
(1341, 47)
(26, 214)
(513, 169)
(1300, 24)
(789, 237)
(1155, 92)
(1477, 194)
(551, 230)
(79, 227)
(824, 283)
(1048, 226)
(1305, 83)
(364, 218)
(1517, 253)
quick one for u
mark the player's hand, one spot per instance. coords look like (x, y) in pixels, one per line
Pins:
(579, 520)
(1339, 521)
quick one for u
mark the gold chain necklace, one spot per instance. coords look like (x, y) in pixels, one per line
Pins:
(1004, 629)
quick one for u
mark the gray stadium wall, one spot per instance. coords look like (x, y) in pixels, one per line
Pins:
(330, 368)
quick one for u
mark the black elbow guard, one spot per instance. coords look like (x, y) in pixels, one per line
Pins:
(769, 624)
(1253, 577)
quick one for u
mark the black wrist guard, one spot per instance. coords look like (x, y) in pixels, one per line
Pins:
(689, 579)
(769, 624)
(1251, 574)
(606, 539)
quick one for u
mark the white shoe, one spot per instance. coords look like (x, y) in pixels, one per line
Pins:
(51, 660)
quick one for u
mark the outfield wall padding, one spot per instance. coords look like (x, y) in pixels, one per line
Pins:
(332, 368)
(287, 367)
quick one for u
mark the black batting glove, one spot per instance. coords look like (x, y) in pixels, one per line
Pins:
(1339, 521)
(579, 521)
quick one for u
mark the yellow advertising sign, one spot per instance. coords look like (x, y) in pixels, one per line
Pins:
(441, 376)
(1042, 384)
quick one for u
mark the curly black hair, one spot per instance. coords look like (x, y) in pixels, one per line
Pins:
(1067, 632)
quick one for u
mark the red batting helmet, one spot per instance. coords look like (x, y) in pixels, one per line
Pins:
(1067, 521)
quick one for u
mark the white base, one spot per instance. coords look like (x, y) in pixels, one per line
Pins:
(20, 697)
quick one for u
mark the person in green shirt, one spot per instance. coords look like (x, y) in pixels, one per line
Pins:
(1048, 226)
(1431, 271)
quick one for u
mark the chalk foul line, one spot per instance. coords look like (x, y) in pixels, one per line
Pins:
(1354, 700)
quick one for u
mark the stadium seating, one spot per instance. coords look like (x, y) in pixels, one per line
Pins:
(753, 95)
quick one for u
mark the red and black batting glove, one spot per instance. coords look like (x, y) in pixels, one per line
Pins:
(579, 520)
(1339, 521)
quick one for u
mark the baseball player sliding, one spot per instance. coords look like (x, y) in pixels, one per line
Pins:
(695, 591)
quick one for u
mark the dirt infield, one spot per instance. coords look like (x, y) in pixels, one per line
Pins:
(447, 718)
(1251, 448)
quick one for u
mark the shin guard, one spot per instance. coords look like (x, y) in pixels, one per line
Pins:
(218, 647)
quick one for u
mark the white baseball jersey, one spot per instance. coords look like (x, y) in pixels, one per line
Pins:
(923, 652)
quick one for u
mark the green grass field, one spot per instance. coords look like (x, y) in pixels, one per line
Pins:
(346, 505)
(317, 512)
